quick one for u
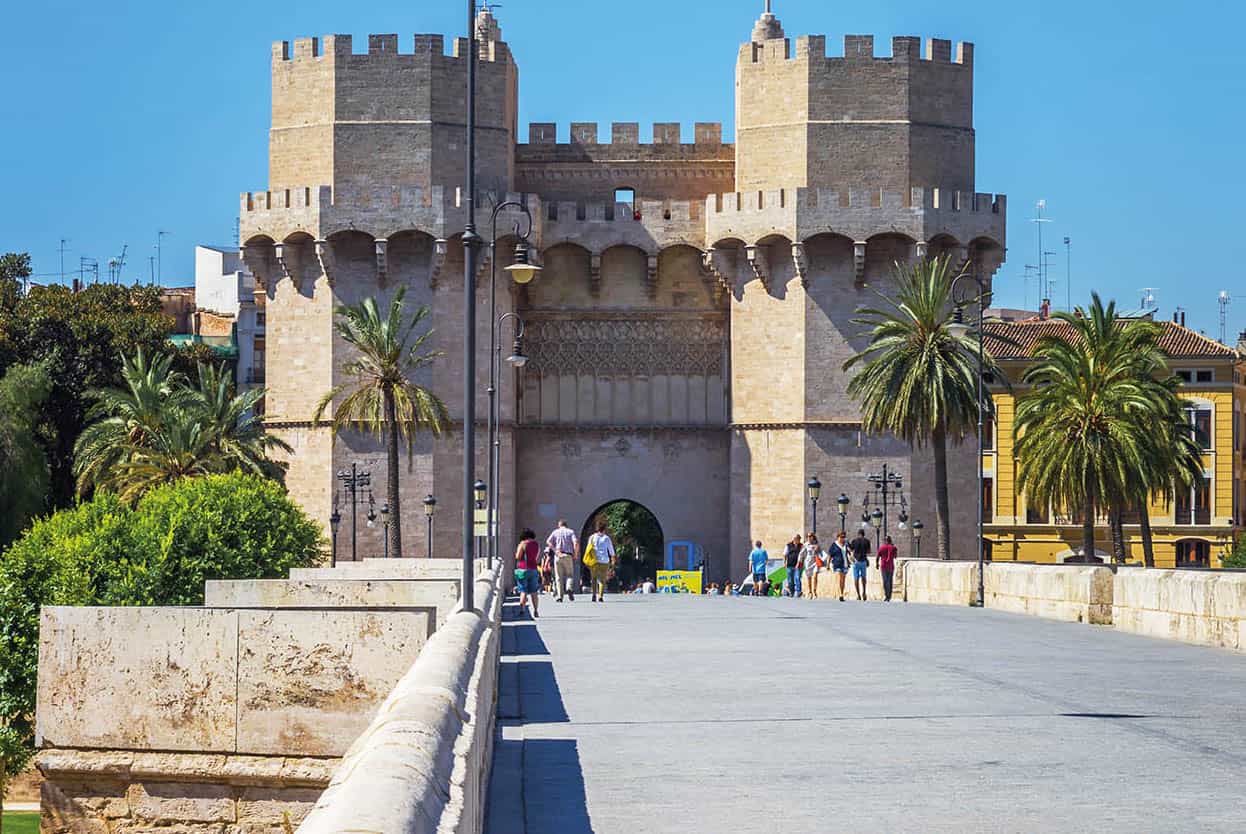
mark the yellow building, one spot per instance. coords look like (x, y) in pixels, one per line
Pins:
(1191, 529)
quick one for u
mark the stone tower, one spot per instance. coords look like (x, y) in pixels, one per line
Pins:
(685, 345)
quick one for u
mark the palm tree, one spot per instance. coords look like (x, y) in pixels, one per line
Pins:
(1083, 425)
(1174, 460)
(381, 397)
(234, 430)
(180, 447)
(915, 379)
(122, 419)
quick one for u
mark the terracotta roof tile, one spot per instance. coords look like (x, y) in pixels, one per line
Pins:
(1177, 341)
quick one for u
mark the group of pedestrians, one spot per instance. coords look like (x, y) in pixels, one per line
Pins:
(562, 559)
(809, 566)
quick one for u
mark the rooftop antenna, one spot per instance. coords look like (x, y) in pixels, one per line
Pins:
(117, 264)
(62, 251)
(1148, 298)
(1031, 270)
(1044, 293)
(160, 233)
(1224, 301)
(1068, 272)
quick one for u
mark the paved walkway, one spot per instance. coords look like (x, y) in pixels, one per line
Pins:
(702, 714)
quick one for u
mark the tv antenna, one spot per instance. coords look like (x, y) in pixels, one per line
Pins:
(1224, 300)
(1044, 292)
(1148, 298)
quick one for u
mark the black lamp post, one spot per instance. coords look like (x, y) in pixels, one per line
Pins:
(430, 508)
(958, 330)
(517, 359)
(471, 248)
(354, 481)
(917, 536)
(843, 501)
(385, 525)
(876, 520)
(480, 491)
(335, 521)
(815, 489)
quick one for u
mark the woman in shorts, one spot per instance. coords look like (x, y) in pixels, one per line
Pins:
(812, 561)
(528, 572)
(839, 561)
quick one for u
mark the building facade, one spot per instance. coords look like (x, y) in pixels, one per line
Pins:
(225, 294)
(688, 330)
(1191, 528)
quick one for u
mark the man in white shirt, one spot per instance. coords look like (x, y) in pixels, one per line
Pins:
(566, 547)
(648, 587)
(604, 550)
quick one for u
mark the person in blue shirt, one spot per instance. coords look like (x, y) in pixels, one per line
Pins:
(757, 562)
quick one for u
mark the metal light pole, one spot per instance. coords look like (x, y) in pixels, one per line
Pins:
(883, 484)
(843, 501)
(815, 489)
(430, 507)
(876, 521)
(917, 536)
(480, 491)
(959, 330)
(471, 246)
(335, 521)
(517, 359)
(385, 525)
(353, 481)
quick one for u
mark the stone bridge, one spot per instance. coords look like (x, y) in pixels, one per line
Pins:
(361, 699)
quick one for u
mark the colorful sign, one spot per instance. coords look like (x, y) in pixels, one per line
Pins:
(679, 581)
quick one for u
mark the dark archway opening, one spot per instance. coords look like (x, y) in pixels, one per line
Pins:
(638, 542)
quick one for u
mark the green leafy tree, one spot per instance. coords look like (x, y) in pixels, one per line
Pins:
(381, 397)
(1174, 457)
(915, 379)
(235, 429)
(102, 552)
(637, 539)
(23, 462)
(1237, 558)
(1083, 424)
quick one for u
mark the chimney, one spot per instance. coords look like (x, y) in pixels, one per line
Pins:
(1044, 312)
(1183, 318)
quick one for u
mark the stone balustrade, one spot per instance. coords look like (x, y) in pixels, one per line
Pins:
(1207, 607)
(940, 583)
(1074, 593)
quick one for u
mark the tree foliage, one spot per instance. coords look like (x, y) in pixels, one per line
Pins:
(23, 463)
(381, 396)
(637, 538)
(102, 552)
(80, 337)
(156, 429)
(915, 379)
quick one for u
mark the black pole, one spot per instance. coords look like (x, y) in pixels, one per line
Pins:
(333, 550)
(386, 526)
(815, 516)
(494, 381)
(429, 549)
(354, 514)
(471, 244)
(981, 339)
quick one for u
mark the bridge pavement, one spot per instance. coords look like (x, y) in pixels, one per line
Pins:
(703, 714)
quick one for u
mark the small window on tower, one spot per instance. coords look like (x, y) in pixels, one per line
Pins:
(627, 197)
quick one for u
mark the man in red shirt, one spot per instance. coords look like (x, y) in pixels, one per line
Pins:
(887, 564)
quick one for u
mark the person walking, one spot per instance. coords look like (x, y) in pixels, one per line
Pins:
(791, 558)
(603, 553)
(860, 548)
(840, 555)
(887, 566)
(757, 559)
(566, 547)
(528, 572)
(812, 561)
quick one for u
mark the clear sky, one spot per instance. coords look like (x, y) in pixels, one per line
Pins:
(129, 117)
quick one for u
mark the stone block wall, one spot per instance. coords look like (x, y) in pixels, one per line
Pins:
(1075, 593)
(940, 583)
(1208, 608)
(439, 594)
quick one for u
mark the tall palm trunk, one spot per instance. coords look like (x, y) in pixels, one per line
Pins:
(938, 442)
(1116, 520)
(1148, 544)
(391, 486)
(1088, 528)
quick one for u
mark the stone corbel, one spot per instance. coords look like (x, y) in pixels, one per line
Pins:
(959, 257)
(440, 247)
(801, 264)
(712, 267)
(651, 279)
(858, 262)
(759, 263)
(286, 256)
(328, 265)
(923, 249)
(256, 261)
(484, 261)
(382, 260)
(594, 274)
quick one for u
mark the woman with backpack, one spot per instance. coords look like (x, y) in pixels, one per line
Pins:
(528, 572)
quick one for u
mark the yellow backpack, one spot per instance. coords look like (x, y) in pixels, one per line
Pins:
(590, 555)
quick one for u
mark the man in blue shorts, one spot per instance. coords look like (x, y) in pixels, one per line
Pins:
(860, 547)
(757, 563)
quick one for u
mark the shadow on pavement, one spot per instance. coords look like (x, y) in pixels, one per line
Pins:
(522, 638)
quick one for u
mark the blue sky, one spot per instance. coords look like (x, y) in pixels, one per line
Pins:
(134, 116)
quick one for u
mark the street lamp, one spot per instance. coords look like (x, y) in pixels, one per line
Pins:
(917, 536)
(471, 247)
(430, 508)
(815, 489)
(335, 521)
(480, 490)
(843, 501)
(517, 359)
(385, 525)
(522, 271)
(876, 521)
(959, 330)
(354, 481)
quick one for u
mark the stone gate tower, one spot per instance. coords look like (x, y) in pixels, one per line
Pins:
(686, 345)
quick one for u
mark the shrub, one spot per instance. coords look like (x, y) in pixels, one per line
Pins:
(1237, 558)
(103, 553)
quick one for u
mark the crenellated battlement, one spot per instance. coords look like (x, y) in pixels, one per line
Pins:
(929, 199)
(705, 134)
(385, 47)
(860, 48)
